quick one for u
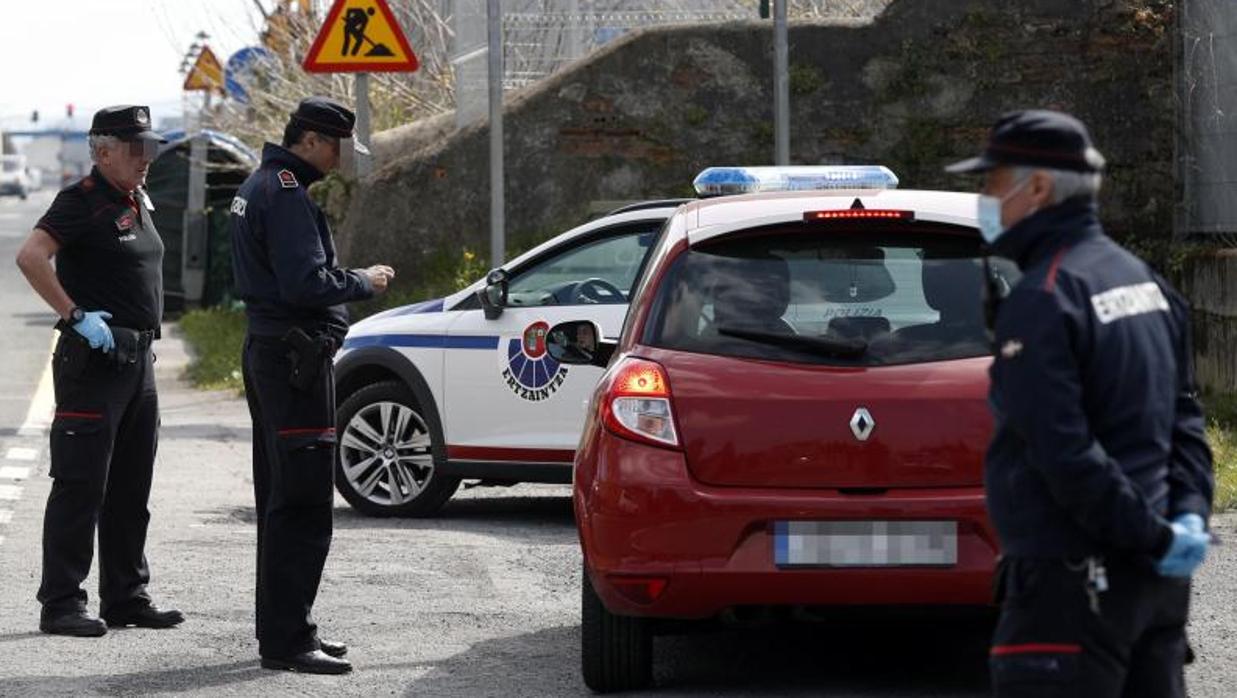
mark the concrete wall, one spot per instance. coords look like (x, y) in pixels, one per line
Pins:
(1210, 282)
(913, 90)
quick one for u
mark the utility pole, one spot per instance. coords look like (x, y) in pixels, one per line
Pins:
(498, 235)
(781, 86)
(364, 163)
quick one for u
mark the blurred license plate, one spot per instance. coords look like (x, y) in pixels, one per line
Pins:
(865, 543)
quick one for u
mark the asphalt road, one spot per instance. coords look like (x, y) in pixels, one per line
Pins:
(483, 601)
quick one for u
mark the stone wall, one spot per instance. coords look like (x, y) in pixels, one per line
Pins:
(913, 90)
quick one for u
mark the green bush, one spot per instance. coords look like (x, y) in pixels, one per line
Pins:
(1222, 434)
(215, 336)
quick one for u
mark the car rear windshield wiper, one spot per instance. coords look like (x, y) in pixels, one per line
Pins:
(840, 348)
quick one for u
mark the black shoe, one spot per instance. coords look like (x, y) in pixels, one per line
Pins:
(334, 649)
(146, 617)
(72, 623)
(313, 662)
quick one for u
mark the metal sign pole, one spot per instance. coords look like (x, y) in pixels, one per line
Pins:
(781, 86)
(497, 203)
(364, 163)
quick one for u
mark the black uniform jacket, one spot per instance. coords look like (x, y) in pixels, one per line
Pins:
(1099, 434)
(283, 256)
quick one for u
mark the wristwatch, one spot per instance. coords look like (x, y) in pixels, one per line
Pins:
(76, 315)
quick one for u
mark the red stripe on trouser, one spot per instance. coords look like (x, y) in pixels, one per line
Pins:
(80, 415)
(297, 432)
(1036, 648)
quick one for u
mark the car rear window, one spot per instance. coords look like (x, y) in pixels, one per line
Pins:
(812, 294)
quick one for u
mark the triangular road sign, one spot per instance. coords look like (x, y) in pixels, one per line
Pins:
(206, 74)
(360, 36)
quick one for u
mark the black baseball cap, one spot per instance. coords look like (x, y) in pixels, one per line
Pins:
(1036, 138)
(127, 122)
(325, 116)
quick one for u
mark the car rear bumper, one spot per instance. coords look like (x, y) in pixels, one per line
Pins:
(641, 515)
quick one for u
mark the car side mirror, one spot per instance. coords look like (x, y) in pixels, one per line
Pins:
(579, 343)
(494, 296)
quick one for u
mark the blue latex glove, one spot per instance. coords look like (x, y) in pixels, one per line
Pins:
(96, 331)
(1189, 547)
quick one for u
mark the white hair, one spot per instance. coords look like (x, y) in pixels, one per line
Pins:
(99, 141)
(1066, 184)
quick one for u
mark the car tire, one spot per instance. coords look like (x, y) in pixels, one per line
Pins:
(616, 651)
(386, 446)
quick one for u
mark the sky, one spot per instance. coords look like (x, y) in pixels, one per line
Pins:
(96, 53)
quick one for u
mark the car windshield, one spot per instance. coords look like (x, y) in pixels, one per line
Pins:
(817, 295)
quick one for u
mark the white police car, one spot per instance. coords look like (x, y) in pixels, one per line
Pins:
(462, 387)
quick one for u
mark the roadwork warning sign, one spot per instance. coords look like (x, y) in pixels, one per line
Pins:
(360, 36)
(206, 73)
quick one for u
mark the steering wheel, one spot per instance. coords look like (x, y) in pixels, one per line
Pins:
(595, 291)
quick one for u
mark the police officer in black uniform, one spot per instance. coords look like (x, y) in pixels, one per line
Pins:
(286, 272)
(1099, 480)
(107, 287)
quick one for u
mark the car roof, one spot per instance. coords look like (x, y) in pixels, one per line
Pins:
(709, 218)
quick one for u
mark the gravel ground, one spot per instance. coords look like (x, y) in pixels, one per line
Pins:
(482, 601)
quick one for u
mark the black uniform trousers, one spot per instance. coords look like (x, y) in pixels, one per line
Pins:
(103, 442)
(1050, 642)
(293, 483)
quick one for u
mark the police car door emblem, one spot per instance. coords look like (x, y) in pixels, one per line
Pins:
(862, 424)
(287, 180)
(527, 367)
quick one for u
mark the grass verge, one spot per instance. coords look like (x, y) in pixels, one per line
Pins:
(215, 336)
(1222, 434)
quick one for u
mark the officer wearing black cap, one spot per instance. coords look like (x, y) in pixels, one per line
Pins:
(107, 287)
(1099, 480)
(294, 292)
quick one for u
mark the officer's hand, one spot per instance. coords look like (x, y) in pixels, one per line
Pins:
(1188, 550)
(379, 276)
(96, 331)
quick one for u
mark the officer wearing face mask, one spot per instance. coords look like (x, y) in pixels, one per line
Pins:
(1098, 478)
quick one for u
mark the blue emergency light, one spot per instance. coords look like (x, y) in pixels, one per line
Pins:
(725, 181)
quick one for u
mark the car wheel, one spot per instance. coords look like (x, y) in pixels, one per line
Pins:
(385, 465)
(617, 651)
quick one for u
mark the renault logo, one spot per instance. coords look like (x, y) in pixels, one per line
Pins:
(862, 424)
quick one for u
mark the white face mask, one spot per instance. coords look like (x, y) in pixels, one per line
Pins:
(989, 213)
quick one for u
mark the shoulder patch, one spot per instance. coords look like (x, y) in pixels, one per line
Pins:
(238, 205)
(287, 180)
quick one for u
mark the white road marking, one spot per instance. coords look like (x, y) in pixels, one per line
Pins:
(10, 492)
(17, 453)
(12, 472)
(5, 516)
(39, 416)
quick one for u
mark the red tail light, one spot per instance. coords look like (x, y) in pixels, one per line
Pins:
(642, 590)
(637, 404)
(858, 214)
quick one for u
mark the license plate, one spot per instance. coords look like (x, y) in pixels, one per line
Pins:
(865, 543)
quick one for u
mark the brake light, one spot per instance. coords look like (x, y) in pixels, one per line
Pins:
(858, 214)
(637, 404)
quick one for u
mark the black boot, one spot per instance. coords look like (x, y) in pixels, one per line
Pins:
(312, 662)
(73, 623)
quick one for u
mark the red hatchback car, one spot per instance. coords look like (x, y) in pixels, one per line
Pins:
(795, 414)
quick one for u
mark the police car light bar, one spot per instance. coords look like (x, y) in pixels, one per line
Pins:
(725, 181)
